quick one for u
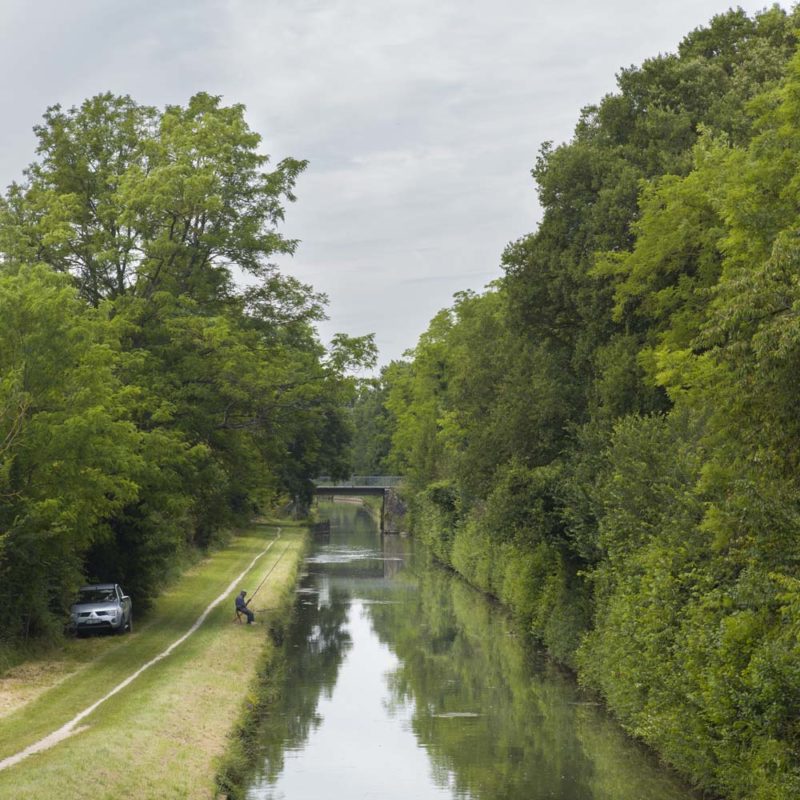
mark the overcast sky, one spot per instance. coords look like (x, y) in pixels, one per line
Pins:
(421, 119)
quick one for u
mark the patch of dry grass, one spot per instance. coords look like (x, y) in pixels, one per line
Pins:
(24, 683)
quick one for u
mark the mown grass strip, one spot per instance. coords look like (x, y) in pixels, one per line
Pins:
(174, 613)
(161, 736)
(71, 726)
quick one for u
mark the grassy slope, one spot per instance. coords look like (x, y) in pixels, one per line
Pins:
(163, 735)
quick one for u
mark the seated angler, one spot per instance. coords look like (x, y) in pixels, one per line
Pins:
(241, 607)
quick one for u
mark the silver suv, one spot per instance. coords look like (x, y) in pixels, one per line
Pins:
(102, 606)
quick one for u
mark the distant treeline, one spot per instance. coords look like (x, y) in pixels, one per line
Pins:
(159, 378)
(608, 438)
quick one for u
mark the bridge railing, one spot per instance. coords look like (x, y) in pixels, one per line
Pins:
(377, 481)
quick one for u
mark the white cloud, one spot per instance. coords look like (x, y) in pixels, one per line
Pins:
(421, 120)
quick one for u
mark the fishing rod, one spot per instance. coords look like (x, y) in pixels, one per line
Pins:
(277, 561)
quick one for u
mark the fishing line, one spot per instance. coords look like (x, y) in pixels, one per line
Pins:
(277, 561)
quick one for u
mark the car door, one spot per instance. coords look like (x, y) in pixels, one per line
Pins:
(124, 603)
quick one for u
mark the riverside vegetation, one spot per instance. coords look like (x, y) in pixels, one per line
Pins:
(606, 439)
(149, 397)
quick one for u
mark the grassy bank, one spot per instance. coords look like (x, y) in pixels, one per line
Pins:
(240, 759)
(163, 735)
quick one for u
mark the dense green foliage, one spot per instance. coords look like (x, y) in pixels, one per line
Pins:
(159, 378)
(607, 439)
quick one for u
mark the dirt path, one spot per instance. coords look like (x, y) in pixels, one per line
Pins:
(72, 726)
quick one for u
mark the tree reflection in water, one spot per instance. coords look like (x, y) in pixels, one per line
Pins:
(498, 719)
(494, 717)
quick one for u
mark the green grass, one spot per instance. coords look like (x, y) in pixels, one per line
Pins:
(163, 735)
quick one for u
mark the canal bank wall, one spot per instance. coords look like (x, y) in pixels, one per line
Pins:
(392, 507)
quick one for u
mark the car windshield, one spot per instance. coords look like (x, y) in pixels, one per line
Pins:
(97, 596)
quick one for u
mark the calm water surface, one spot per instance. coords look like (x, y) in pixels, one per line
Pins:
(401, 682)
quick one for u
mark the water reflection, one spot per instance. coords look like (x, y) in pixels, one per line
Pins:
(400, 681)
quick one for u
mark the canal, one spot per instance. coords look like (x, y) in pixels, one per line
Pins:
(399, 681)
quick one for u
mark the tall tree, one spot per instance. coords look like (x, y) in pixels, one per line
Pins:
(164, 223)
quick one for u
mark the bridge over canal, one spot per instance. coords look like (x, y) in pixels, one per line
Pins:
(359, 486)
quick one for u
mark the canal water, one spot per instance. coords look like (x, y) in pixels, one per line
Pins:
(402, 682)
